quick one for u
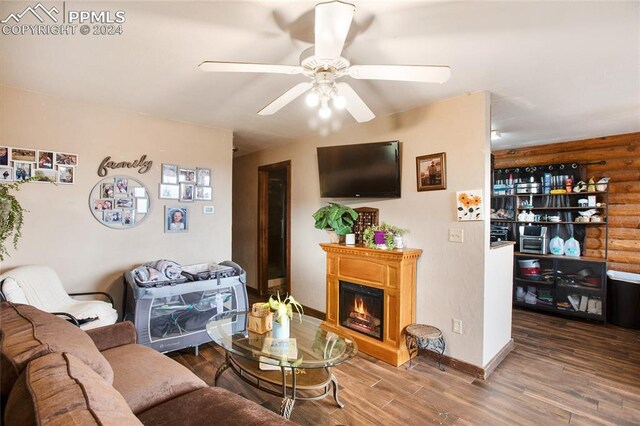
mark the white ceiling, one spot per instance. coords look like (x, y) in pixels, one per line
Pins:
(557, 70)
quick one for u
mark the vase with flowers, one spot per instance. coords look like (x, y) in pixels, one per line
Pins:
(283, 314)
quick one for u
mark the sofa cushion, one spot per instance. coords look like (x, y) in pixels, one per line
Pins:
(210, 406)
(29, 333)
(146, 378)
(59, 389)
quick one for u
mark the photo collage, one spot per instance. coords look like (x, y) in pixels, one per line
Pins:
(185, 184)
(119, 202)
(17, 164)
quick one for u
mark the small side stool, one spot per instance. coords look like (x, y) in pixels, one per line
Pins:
(421, 336)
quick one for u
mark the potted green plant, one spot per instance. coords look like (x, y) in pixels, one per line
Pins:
(336, 219)
(283, 314)
(383, 236)
(11, 216)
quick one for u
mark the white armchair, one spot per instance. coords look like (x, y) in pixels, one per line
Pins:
(40, 286)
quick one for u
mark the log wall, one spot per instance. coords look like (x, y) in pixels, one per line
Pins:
(622, 156)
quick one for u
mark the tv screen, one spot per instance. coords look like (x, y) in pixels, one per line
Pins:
(362, 170)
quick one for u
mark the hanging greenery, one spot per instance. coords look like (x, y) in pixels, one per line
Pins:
(11, 216)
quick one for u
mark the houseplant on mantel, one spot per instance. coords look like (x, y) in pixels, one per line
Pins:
(11, 216)
(384, 236)
(336, 219)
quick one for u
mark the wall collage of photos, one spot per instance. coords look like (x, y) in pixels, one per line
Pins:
(119, 202)
(18, 164)
(185, 185)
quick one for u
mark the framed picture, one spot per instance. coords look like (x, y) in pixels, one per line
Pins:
(186, 175)
(142, 205)
(44, 175)
(203, 177)
(112, 216)
(122, 186)
(169, 173)
(124, 203)
(187, 192)
(107, 190)
(22, 171)
(4, 155)
(469, 205)
(102, 204)
(208, 209)
(66, 175)
(66, 159)
(203, 193)
(6, 174)
(169, 192)
(431, 172)
(139, 192)
(128, 217)
(176, 219)
(26, 155)
(45, 160)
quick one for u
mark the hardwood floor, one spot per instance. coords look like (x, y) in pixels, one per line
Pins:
(561, 371)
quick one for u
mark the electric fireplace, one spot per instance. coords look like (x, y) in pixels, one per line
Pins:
(361, 309)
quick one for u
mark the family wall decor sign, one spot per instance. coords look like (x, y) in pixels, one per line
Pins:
(143, 165)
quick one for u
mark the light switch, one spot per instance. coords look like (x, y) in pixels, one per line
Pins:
(456, 235)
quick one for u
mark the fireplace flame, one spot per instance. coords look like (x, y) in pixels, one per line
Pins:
(359, 306)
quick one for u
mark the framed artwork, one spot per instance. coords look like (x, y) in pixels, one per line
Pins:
(4, 155)
(102, 204)
(187, 192)
(6, 174)
(112, 216)
(26, 155)
(128, 217)
(44, 175)
(22, 171)
(469, 205)
(142, 205)
(124, 203)
(66, 159)
(203, 177)
(186, 175)
(208, 209)
(169, 192)
(122, 186)
(108, 190)
(203, 193)
(139, 192)
(176, 219)
(45, 160)
(431, 172)
(66, 175)
(169, 173)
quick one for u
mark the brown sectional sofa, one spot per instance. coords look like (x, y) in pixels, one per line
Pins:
(56, 374)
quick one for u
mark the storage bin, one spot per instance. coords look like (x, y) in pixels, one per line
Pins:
(624, 299)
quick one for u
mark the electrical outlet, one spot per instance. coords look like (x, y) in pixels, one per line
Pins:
(457, 326)
(456, 235)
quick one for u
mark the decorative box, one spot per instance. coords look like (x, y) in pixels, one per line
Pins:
(260, 324)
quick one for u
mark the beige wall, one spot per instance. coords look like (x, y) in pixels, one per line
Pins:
(59, 229)
(450, 275)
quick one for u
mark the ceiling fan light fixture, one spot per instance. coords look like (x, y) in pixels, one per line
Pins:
(312, 99)
(324, 112)
(339, 101)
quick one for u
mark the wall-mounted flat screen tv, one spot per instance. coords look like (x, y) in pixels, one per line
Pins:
(363, 170)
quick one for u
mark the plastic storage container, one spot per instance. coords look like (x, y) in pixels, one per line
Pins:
(623, 300)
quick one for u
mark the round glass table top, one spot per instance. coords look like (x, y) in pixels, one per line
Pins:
(310, 344)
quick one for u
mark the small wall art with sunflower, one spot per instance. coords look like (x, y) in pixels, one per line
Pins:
(470, 205)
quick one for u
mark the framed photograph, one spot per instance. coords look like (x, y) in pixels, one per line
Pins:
(66, 159)
(26, 155)
(139, 192)
(176, 219)
(67, 175)
(112, 216)
(203, 177)
(124, 203)
(169, 173)
(107, 190)
(122, 186)
(6, 174)
(102, 204)
(142, 205)
(431, 172)
(44, 175)
(187, 192)
(203, 193)
(169, 192)
(186, 175)
(45, 160)
(128, 217)
(208, 209)
(4, 155)
(22, 171)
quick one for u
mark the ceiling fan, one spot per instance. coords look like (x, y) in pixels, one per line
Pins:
(324, 65)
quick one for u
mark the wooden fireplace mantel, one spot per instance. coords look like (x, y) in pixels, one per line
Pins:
(392, 271)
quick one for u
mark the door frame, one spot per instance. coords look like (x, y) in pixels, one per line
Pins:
(263, 224)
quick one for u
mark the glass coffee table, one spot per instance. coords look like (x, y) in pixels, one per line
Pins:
(282, 367)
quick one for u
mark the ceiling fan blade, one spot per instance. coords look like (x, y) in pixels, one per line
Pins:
(332, 24)
(420, 73)
(213, 66)
(285, 98)
(355, 105)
